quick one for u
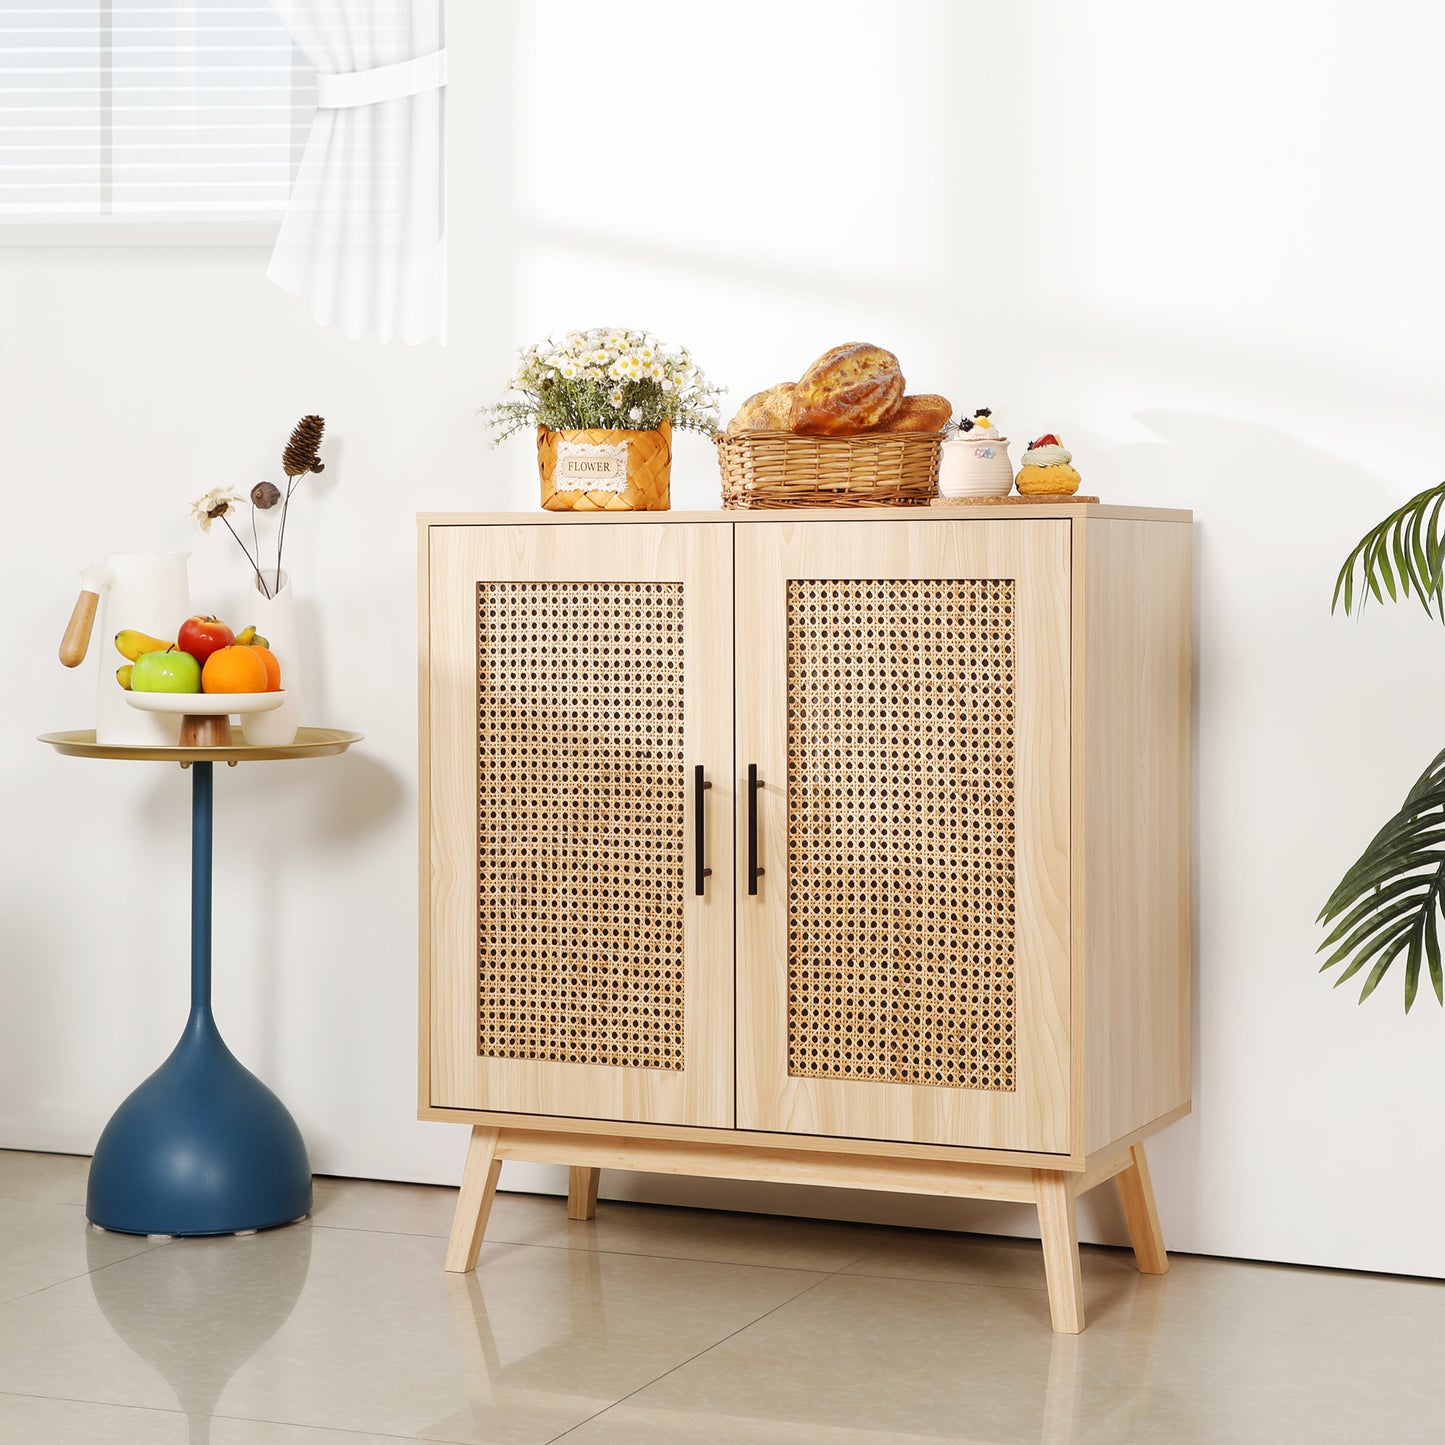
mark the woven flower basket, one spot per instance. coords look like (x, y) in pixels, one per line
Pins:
(605, 470)
(784, 469)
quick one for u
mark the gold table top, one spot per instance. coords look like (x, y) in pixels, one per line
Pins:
(310, 743)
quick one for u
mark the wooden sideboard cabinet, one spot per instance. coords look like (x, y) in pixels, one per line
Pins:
(836, 847)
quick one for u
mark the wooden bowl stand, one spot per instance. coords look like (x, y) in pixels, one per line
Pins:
(205, 730)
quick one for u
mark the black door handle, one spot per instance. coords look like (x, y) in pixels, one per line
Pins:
(754, 872)
(699, 834)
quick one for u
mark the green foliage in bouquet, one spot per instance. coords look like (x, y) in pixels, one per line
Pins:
(608, 378)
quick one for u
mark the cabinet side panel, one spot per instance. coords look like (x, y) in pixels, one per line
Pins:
(1136, 865)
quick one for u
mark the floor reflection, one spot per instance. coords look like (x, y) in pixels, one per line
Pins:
(537, 1360)
(1099, 1386)
(1045, 1388)
(206, 1307)
(355, 1331)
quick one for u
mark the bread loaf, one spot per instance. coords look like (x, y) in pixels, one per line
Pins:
(852, 388)
(764, 410)
(919, 414)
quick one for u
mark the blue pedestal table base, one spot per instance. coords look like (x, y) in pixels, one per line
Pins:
(202, 1146)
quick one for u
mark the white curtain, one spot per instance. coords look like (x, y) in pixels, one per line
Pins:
(364, 237)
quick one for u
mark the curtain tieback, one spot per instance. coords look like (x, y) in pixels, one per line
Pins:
(385, 82)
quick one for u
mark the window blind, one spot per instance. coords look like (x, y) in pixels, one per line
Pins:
(117, 113)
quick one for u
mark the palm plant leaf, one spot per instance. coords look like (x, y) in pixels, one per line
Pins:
(1390, 901)
(1404, 554)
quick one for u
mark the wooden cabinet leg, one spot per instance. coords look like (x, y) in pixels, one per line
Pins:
(1054, 1192)
(582, 1192)
(474, 1202)
(1136, 1191)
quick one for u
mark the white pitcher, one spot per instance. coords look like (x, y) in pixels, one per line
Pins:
(148, 591)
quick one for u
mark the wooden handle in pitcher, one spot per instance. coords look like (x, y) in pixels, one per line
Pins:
(77, 631)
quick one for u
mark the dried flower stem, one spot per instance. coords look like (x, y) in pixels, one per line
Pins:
(281, 539)
(265, 591)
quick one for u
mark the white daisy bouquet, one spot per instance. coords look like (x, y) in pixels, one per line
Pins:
(606, 378)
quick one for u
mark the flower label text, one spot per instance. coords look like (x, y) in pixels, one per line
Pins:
(582, 467)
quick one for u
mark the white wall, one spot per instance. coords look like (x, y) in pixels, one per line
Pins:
(1199, 242)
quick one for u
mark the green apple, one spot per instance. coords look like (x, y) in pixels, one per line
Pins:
(168, 671)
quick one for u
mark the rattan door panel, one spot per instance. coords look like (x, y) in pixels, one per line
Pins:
(903, 970)
(577, 678)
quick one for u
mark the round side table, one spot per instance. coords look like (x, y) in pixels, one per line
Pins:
(202, 1146)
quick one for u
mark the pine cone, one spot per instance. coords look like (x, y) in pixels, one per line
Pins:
(300, 454)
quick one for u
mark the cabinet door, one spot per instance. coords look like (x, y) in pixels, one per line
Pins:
(579, 674)
(903, 967)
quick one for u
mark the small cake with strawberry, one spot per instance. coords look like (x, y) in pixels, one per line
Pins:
(974, 461)
(1047, 469)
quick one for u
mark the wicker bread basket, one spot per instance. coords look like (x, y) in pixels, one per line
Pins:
(785, 469)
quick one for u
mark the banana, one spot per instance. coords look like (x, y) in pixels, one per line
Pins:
(130, 644)
(122, 675)
(259, 641)
(245, 637)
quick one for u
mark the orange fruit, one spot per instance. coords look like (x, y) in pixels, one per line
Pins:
(233, 669)
(273, 668)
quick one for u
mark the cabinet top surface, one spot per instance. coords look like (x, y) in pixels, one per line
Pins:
(992, 512)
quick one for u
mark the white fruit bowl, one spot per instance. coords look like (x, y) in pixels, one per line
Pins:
(206, 704)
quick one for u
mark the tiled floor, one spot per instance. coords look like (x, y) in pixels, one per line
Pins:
(656, 1325)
